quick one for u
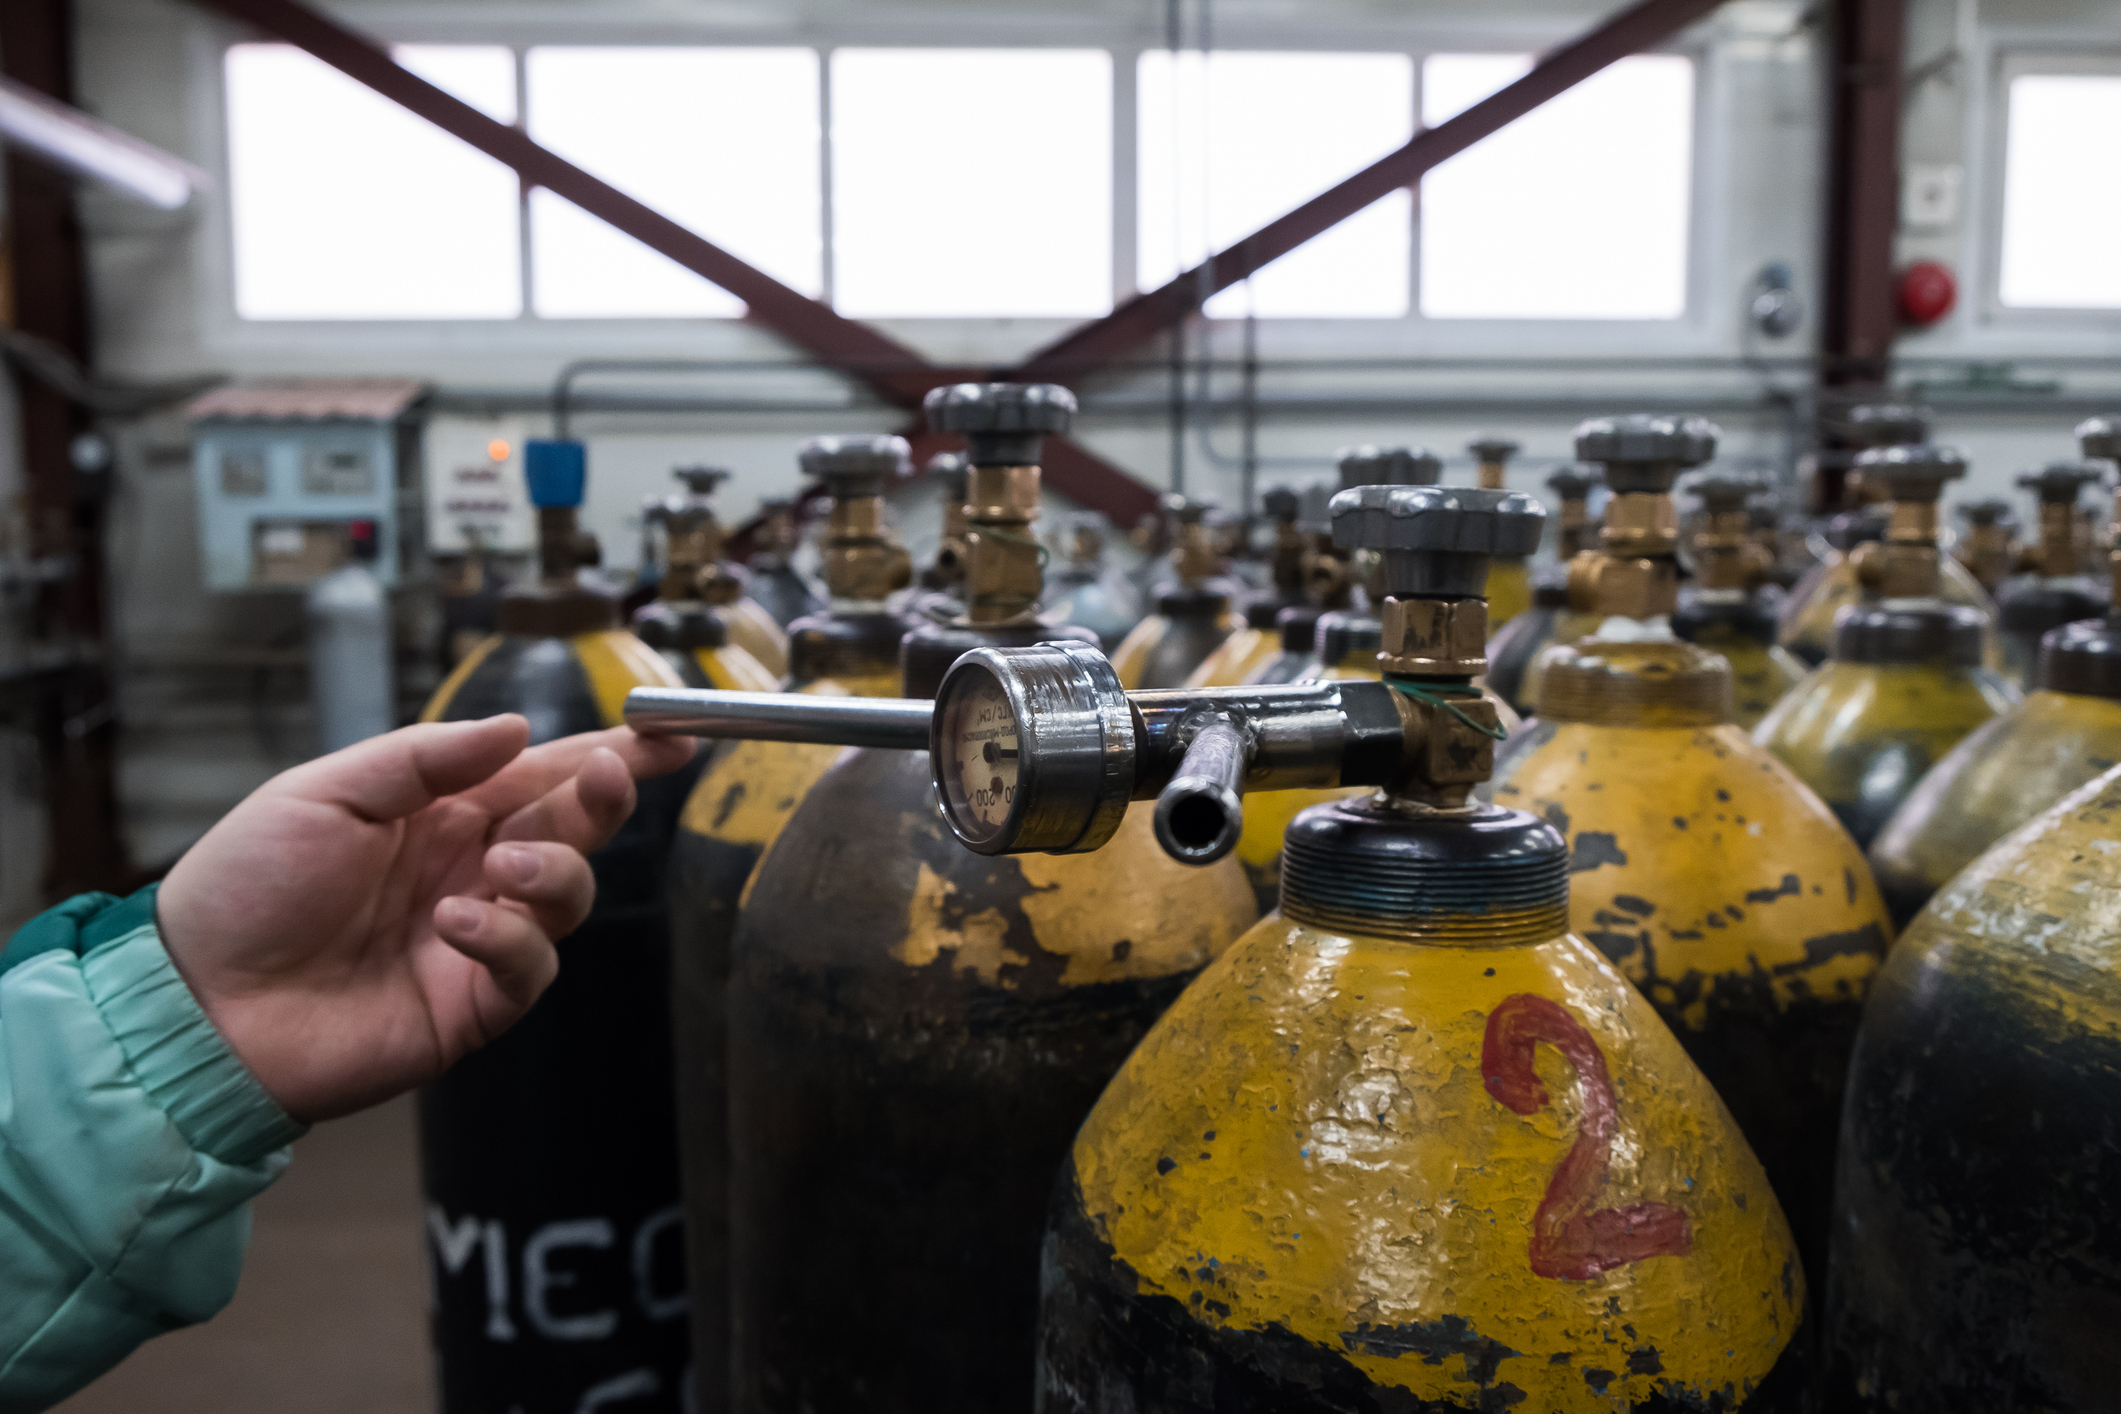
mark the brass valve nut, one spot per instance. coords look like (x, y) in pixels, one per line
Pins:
(1387, 466)
(1897, 569)
(1624, 586)
(1002, 494)
(1644, 453)
(1641, 523)
(1435, 637)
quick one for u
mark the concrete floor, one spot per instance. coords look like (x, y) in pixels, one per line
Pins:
(331, 1315)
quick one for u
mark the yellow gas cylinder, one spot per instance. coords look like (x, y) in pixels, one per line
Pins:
(917, 1030)
(775, 584)
(2012, 767)
(1722, 609)
(1193, 615)
(1411, 1143)
(688, 516)
(567, 1119)
(1977, 1240)
(2051, 592)
(1509, 580)
(1988, 547)
(1518, 642)
(1628, 586)
(1907, 678)
(1718, 883)
(1083, 588)
(743, 800)
(1252, 647)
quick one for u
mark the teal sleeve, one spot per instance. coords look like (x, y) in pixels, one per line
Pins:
(131, 1143)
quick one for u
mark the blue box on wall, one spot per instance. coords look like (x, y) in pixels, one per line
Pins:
(281, 469)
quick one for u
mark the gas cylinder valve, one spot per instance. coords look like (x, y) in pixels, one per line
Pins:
(1039, 749)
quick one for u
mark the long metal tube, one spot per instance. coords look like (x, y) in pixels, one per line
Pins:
(893, 723)
(1199, 816)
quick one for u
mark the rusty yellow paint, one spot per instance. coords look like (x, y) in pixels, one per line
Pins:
(1822, 729)
(1235, 659)
(1308, 1133)
(458, 676)
(2037, 914)
(752, 629)
(976, 944)
(1509, 592)
(615, 662)
(1999, 777)
(1173, 917)
(1176, 917)
(1708, 847)
(732, 669)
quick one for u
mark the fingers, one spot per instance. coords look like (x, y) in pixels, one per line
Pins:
(582, 812)
(393, 775)
(517, 954)
(551, 880)
(541, 768)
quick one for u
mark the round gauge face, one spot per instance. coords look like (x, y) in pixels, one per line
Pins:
(980, 756)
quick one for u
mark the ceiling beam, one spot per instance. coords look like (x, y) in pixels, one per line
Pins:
(1102, 342)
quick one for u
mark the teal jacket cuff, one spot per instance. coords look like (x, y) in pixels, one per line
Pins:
(171, 1045)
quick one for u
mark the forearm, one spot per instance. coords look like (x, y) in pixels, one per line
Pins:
(131, 1141)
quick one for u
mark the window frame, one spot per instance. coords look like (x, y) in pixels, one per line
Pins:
(1703, 329)
(1982, 231)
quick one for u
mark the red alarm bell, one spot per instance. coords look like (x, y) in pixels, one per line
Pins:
(1925, 292)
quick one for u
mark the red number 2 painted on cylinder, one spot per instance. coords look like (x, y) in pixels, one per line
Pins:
(1571, 1239)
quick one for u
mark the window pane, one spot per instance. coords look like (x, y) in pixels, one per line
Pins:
(343, 205)
(722, 141)
(972, 182)
(2062, 193)
(1578, 210)
(1229, 142)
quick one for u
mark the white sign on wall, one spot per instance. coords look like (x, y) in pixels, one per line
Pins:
(474, 475)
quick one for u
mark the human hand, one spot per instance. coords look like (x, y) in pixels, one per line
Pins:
(360, 922)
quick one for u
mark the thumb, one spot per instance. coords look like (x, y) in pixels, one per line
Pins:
(393, 775)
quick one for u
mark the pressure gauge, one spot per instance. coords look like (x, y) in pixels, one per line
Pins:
(1033, 749)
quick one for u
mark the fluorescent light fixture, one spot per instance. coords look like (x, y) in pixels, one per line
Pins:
(70, 139)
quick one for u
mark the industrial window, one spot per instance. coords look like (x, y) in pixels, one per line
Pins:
(972, 182)
(1578, 210)
(2062, 193)
(1230, 140)
(722, 141)
(345, 206)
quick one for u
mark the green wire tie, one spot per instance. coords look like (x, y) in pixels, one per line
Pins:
(1011, 537)
(1440, 696)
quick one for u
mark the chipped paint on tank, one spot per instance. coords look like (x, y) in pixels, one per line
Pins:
(1699, 860)
(977, 942)
(1975, 1241)
(616, 663)
(1306, 1143)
